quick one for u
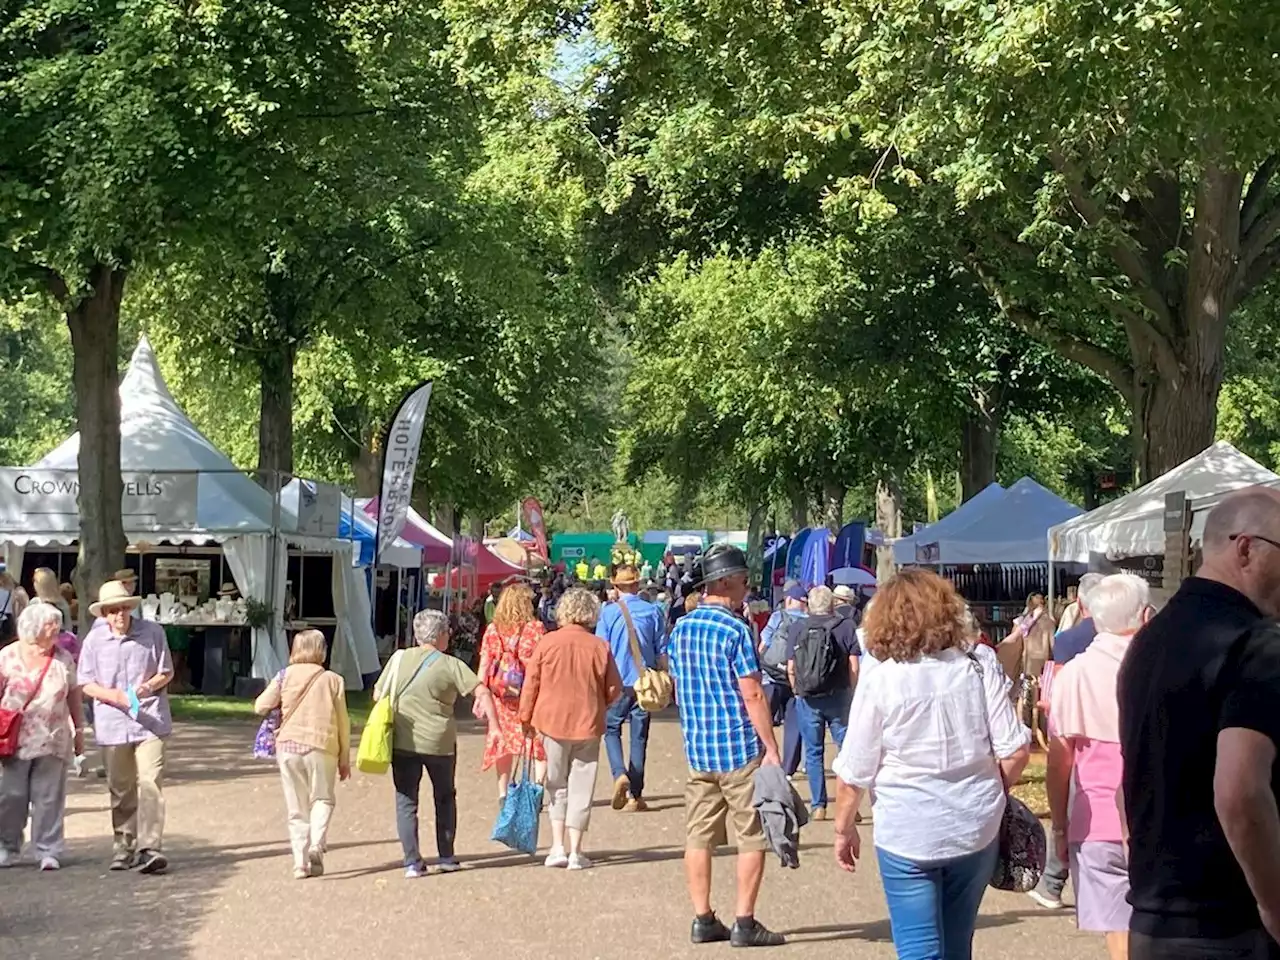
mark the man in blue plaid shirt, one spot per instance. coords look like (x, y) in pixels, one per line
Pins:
(728, 734)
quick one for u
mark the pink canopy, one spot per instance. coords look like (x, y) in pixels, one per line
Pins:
(489, 569)
(436, 547)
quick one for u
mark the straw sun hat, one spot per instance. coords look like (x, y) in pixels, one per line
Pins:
(113, 593)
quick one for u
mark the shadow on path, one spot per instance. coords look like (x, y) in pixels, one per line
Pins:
(85, 911)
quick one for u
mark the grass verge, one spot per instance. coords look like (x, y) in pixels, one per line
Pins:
(200, 709)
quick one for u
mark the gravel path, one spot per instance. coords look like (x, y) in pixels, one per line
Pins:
(229, 894)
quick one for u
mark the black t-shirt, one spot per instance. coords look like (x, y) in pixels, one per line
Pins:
(1175, 696)
(843, 632)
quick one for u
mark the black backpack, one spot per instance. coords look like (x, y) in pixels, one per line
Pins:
(819, 662)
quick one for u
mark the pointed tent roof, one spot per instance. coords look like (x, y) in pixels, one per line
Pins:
(904, 548)
(1133, 525)
(1010, 528)
(155, 435)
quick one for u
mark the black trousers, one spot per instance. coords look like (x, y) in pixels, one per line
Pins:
(406, 774)
(1249, 946)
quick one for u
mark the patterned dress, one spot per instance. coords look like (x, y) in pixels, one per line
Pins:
(521, 642)
(46, 729)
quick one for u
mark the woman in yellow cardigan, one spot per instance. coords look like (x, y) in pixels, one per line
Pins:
(313, 746)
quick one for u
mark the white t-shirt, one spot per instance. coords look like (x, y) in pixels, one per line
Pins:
(921, 735)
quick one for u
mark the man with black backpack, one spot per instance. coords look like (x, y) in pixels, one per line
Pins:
(823, 669)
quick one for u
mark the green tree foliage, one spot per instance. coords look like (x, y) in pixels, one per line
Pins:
(129, 131)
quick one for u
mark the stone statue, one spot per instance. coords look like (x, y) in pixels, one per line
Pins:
(619, 524)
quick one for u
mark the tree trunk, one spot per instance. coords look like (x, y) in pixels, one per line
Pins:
(889, 523)
(755, 542)
(368, 469)
(446, 519)
(475, 528)
(979, 445)
(833, 506)
(1174, 420)
(275, 415)
(95, 344)
(799, 511)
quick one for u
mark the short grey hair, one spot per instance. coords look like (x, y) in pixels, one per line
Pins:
(36, 618)
(1119, 602)
(821, 600)
(580, 607)
(1086, 586)
(429, 626)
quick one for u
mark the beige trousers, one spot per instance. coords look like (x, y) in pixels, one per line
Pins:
(309, 780)
(135, 775)
(571, 779)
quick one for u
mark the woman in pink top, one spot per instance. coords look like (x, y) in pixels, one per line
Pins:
(1084, 752)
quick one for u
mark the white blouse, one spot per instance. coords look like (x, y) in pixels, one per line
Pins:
(921, 736)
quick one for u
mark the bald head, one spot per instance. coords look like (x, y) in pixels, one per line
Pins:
(1242, 545)
(1251, 510)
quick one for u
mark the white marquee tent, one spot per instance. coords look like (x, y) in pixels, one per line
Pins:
(904, 548)
(1133, 525)
(1009, 528)
(231, 509)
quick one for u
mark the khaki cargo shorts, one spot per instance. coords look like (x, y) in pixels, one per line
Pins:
(711, 800)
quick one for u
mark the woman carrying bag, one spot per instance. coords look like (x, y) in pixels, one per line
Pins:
(933, 735)
(420, 687)
(571, 680)
(312, 744)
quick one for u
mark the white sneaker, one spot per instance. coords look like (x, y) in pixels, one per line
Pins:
(579, 862)
(50, 863)
(1046, 901)
(556, 858)
(7, 859)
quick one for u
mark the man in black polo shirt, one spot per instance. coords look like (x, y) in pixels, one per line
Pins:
(1199, 724)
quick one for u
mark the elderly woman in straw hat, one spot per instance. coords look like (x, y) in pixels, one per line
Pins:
(313, 746)
(39, 680)
(126, 667)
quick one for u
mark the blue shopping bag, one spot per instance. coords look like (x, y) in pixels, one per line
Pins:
(517, 825)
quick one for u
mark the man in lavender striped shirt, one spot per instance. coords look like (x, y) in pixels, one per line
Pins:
(123, 655)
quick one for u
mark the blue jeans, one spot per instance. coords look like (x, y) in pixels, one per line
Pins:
(933, 907)
(814, 716)
(623, 709)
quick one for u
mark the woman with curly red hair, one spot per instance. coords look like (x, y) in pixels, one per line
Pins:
(509, 642)
(932, 731)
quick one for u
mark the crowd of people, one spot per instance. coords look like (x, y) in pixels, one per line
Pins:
(1161, 771)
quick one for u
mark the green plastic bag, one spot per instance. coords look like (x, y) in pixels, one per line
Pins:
(374, 754)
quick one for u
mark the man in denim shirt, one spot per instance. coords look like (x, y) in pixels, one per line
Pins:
(628, 777)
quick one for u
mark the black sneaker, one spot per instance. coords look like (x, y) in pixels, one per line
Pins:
(708, 931)
(152, 861)
(756, 935)
(122, 860)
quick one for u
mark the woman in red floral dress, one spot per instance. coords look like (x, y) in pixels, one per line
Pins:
(508, 643)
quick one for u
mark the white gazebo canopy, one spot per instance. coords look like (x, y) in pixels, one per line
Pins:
(156, 437)
(1133, 525)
